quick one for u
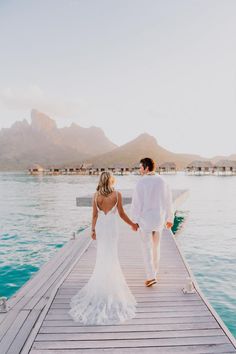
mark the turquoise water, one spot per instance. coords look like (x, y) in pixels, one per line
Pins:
(38, 215)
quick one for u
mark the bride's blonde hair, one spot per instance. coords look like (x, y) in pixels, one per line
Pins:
(105, 184)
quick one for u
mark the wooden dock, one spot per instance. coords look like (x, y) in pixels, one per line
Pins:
(167, 320)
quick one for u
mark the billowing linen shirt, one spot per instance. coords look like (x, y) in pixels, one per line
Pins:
(151, 204)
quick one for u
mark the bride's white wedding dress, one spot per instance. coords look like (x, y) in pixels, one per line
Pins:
(106, 298)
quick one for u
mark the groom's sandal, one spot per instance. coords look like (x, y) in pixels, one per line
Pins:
(150, 282)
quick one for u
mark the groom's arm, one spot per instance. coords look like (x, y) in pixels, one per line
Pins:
(169, 207)
(123, 214)
(136, 205)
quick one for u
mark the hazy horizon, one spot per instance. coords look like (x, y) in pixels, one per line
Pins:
(168, 66)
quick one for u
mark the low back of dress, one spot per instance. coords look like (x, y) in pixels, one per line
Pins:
(106, 230)
(110, 209)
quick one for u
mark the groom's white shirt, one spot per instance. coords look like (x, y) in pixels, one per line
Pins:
(151, 204)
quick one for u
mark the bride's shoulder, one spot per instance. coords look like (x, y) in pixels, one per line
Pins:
(116, 194)
(95, 195)
(119, 196)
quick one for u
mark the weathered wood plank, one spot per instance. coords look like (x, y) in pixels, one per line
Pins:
(129, 335)
(9, 336)
(140, 311)
(133, 343)
(155, 313)
(191, 299)
(49, 282)
(10, 319)
(176, 312)
(145, 316)
(131, 327)
(23, 333)
(59, 256)
(186, 349)
(161, 302)
(36, 328)
(147, 306)
(140, 290)
(136, 320)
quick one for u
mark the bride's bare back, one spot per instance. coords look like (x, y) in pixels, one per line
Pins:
(107, 203)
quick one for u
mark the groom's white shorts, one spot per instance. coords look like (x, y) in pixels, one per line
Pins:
(151, 251)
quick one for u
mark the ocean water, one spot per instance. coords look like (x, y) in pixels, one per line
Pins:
(38, 216)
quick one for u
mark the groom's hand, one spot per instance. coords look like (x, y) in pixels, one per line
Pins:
(169, 225)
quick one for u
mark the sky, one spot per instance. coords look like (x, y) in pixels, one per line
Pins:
(164, 67)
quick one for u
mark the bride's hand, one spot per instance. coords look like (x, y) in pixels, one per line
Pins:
(135, 227)
(93, 234)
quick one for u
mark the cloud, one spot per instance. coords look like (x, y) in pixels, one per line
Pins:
(34, 97)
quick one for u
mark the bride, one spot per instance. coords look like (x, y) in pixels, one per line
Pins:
(106, 298)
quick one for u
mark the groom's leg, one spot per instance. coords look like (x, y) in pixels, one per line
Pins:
(147, 249)
(156, 240)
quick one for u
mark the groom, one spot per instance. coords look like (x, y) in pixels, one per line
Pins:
(151, 209)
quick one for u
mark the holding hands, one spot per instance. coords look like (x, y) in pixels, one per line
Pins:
(134, 226)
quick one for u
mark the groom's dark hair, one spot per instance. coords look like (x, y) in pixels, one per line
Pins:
(148, 162)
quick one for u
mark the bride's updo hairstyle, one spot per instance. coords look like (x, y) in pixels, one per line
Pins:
(105, 184)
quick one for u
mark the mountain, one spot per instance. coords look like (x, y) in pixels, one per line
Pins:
(42, 142)
(232, 157)
(145, 145)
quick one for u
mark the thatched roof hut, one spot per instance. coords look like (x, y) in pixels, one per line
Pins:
(167, 167)
(36, 168)
(200, 164)
(199, 167)
(225, 165)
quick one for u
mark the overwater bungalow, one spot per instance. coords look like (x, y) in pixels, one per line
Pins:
(199, 168)
(36, 170)
(134, 169)
(85, 167)
(93, 170)
(56, 171)
(119, 169)
(225, 167)
(167, 168)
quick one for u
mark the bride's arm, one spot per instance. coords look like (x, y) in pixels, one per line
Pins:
(94, 219)
(123, 214)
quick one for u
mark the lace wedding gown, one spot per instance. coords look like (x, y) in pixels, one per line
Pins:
(106, 298)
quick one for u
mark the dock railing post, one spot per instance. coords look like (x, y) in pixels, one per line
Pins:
(3, 304)
(189, 287)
